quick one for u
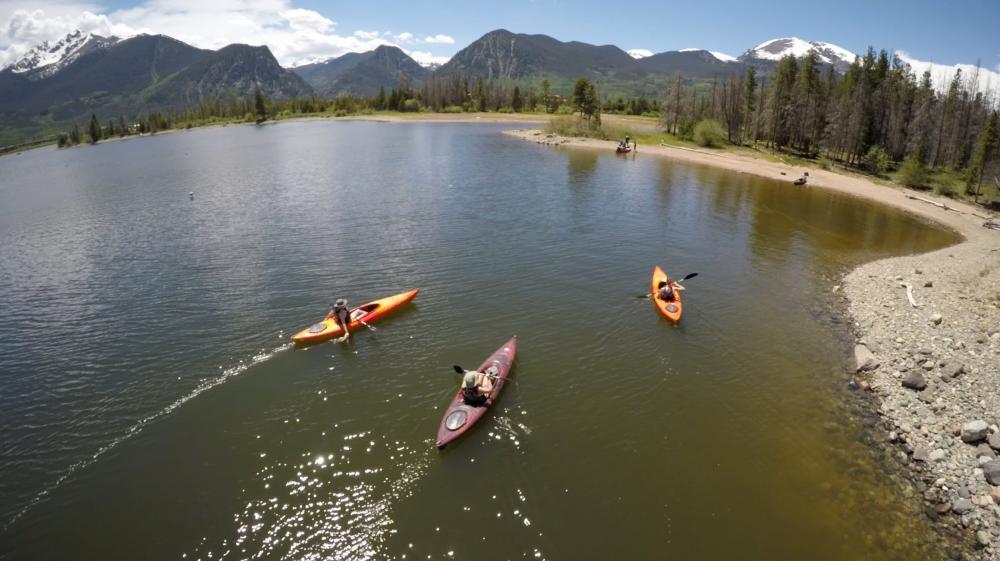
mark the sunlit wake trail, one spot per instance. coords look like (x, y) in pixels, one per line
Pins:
(141, 423)
(336, 505)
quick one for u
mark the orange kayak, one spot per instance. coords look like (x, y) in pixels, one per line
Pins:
(670, 310)
(328, 328)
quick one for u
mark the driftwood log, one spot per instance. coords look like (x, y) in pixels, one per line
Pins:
(930, 202)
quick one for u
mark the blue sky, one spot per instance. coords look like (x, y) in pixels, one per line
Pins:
(961, 31)
(945, 31)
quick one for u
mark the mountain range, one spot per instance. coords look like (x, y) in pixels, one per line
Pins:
(55, 84)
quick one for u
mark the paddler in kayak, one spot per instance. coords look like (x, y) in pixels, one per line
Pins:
(340, 314)
(666, 290)
(477, 386)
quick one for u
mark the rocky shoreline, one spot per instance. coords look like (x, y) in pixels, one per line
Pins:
(927, 330)
(934, 364)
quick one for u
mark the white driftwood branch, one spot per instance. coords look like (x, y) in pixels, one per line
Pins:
(909, 293)
(930, 202)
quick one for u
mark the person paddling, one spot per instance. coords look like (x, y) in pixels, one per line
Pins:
(477, 386)
(666, 290)
(340, 314)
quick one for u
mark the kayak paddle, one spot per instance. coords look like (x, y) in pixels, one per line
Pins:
(688, 277)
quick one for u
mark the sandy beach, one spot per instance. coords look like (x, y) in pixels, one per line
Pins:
(933, 363)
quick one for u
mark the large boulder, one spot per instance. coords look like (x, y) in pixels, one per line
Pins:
(914, 381)
(992, 472)
(864, 359)
(975, 431)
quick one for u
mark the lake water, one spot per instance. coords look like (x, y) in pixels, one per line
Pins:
(151, 407)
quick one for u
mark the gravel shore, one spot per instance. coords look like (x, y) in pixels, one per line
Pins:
(933, 363)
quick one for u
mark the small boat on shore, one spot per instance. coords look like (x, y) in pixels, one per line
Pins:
(621, 150)
(367, 313)
(460, 416)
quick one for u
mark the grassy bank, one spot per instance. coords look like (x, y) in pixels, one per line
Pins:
(648, 131)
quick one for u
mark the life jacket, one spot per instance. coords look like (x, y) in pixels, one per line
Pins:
(343, 315)
(668, 293)
(471, 396)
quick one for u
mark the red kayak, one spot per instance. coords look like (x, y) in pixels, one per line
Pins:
(459, 417)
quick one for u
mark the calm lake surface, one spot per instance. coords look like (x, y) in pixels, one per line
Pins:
(151, 408)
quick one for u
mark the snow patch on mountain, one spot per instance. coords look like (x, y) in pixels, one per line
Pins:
(776, 49)
(723, 56)
(48, 58)
(639, 53)
(720, 56)
(942, 74)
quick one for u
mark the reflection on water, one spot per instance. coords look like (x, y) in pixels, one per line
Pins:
(729, 436)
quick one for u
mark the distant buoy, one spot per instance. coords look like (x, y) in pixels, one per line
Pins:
(191, 194)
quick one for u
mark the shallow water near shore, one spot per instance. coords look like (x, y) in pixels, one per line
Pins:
(153, 409)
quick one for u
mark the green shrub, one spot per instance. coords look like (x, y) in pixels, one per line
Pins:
(824, 163)
(410, 106)
(453, 109)
(575, 126)
(340, 113)
(565, 110)
(877, 160)
(913, 173)
(945, 189)
(709, 133)
(505, 110)
(685, 129)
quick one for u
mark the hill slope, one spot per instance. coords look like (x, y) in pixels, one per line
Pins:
(501, 54)
(363, 73)
(140, 74)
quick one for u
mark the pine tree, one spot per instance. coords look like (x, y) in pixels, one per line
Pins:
(259, 107)
(122, 127)
(94, 129)
(480, 95)
(672, 106)
(516, 103)
(781, 108)
(75, 136)
(749, 101)
(985, 148)
(547, 96)
(380, 99)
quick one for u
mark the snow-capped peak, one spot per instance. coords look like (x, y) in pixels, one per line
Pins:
(639, 53)
(48, 58)
(776, 49)
(723, 57)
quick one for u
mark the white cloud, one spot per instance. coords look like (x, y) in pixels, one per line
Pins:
(942, 74)
(24, 29)
(299, 19)
(426, 59)
(639, 53)
(293, 34)
(440, 38)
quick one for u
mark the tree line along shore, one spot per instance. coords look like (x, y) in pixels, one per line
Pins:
(877, 118)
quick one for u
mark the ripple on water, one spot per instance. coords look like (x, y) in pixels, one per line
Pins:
(334, 504)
